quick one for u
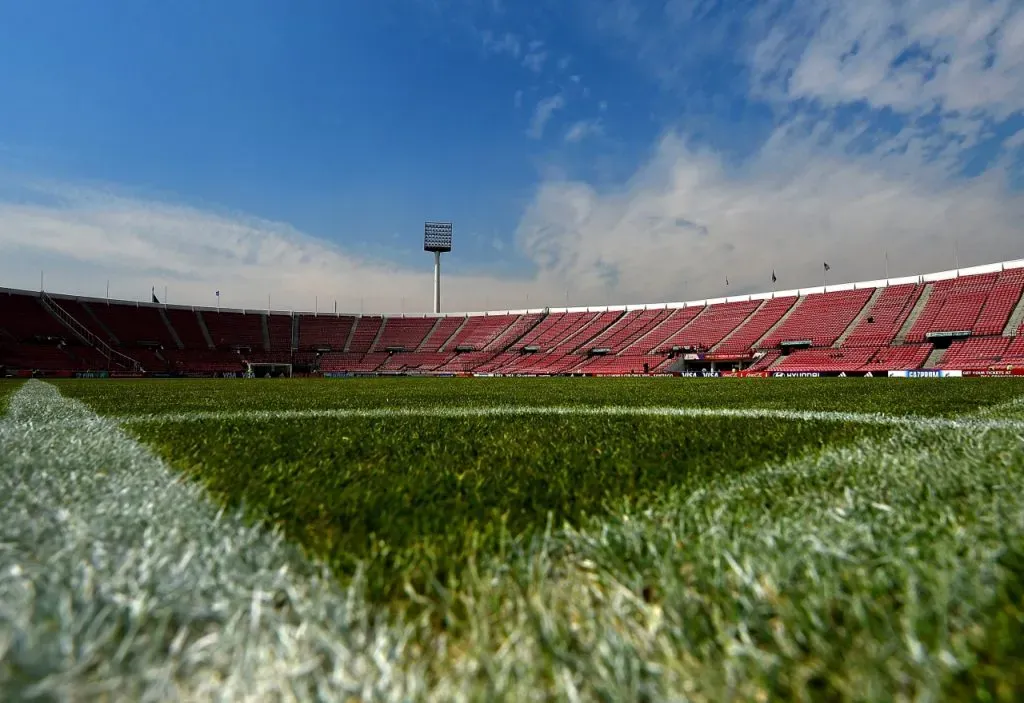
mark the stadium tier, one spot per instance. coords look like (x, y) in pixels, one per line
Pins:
(966, 320)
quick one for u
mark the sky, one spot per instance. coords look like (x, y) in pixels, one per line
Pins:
(593, 152)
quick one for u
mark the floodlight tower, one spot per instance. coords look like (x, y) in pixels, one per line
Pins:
(437, 237)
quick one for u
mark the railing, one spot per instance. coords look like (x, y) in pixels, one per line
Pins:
(86, 335)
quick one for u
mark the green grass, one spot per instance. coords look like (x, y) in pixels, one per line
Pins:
(700, 558)
(418, 497)
(7, 388)
(937, 397)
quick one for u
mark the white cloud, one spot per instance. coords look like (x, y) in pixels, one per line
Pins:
(542, 114)
(823, 185)
(535, 56)
(504, 44)
(686, 216)
(81, 238)
(912, 57)
(582, 129)
(517, 99)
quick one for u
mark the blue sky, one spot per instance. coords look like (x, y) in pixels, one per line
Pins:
(618, 150)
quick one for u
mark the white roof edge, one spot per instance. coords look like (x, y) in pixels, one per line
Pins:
(879, 283)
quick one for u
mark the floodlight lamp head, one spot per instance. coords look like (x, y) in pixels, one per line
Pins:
(437, 236)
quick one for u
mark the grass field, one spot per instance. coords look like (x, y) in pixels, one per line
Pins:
(636, 539)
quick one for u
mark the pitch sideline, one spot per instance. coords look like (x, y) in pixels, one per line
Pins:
(906, 421)
(118, 578)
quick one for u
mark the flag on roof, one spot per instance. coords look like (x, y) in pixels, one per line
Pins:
(152, 294)
(774, 279)
(827, 267)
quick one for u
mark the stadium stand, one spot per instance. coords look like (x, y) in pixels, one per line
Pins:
(134, 325)
(910, 356)
(279, 329)
(233, 329)
(406, 333)
(441, 333)
(629, 328)
(324, 331)
(820, 319)
(582, 338)
(479, 332)
(364, 334)
(769, 314)
(1014, 353)
(954, 306)
(713, 325)
(825, 360)
(886, 316)
(869, 327)
(978, 353)
(24, 318)
(655, 338)
(187, 325)
(553, 328)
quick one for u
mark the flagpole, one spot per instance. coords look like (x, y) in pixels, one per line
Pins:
(886, 266)
(165, 295)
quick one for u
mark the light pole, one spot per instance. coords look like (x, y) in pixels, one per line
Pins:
(437, 238)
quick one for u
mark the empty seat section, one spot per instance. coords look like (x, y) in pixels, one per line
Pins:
(82, 316)
(47, 357)
(630, 327)
(23, 317)
(978, 353)
(826, 360)
(765, 362)
(498, 363)
(441, 333)
(883, 321)
(625, 364)
(713, 324)
(355, 363)
(1001, 302)
(151, 359)
(759, 323)
(582, 338)
(543, 363)
(669, 326)
(280, 328)
(553, 328)
(479, 331)
(403, 332)
(820, 318)
(186, 325)
(203, 360)
(234, 329)
(415, 361)
(324, 331)
(465, 362)
(954, 305)
(513, 332)
(132, 325)
(902, 358)
(1015, 351)
(365, 332)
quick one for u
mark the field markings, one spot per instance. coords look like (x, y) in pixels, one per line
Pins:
(119, 579)
(907, 421)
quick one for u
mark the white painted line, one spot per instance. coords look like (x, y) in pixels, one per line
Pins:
(910, 421)
(119, 580)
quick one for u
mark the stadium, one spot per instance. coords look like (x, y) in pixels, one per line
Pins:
(375, 528)
(738, 490)
(966, 321)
